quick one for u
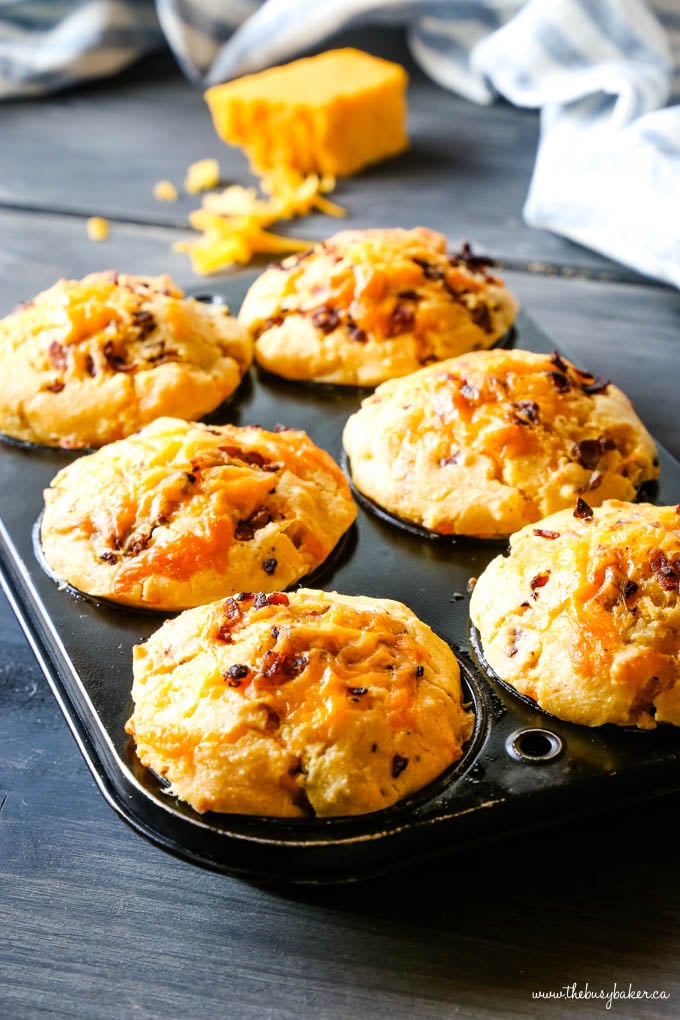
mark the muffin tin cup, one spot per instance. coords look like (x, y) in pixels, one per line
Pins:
(342, 549)
(521, 768)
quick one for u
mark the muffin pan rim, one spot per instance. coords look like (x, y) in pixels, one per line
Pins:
(481, 800)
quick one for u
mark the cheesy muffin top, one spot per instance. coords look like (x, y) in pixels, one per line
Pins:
(182, 513)
(93, 360)
(583, 615)
(483, 444)
(369, 305)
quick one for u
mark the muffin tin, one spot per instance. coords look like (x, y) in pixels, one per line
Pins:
(521, 768)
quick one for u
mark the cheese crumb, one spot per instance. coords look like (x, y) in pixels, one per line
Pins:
(165, 191)
(202, 175)
(232, 221)
(97, 228)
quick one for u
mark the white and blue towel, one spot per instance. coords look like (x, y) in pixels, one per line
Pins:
(605, 75)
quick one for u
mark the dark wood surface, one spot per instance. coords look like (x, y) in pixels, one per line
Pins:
(99, 924)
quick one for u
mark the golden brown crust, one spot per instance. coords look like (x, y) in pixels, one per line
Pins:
(583, 616)
(370, 305)
(93, 360)
(183, 513)
(285, 705)
(483, 444)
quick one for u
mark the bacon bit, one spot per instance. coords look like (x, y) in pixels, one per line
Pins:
(274, 631)
(90, 366)
(559, 362)
(481, 316)
(399, 763)
(629, 589)
(283, 428)
(466, 256)
(666, 573)
(583, 511)
(512, 646)
(326, 319)
(545, 533)
(410, 295)
(250, 457)
(273, 720)
(559, 381)
(109, 557)
(468, 391)
(598, 385)
(162, 353)
(236, 672)
(357, 691)
(56, 387)
(139, 545)
(57, 355)
(677, 509)
(282, 668)
(269, 565)
(527, 411)
(275, 598)
(191, 477)
(245, 529)
(275, 320)
(430, 270)
(452, 459)
(356, 333)
(595, 481)
(143, 321)
(588, 451)
(244, 596)
(116, 362)
(402, 318)
(420, 670)
(232, 615)
(540, 580)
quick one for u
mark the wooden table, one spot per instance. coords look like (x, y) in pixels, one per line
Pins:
(99, 924)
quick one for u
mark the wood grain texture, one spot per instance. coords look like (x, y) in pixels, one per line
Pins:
(100, 149)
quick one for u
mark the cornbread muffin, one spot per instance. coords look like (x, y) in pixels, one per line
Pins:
(89, 361)
(485, 443)
(369, 305)
(290, 705)
(183, 513)
(583, 616)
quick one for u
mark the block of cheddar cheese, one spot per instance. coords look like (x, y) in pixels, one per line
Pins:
(329, 114)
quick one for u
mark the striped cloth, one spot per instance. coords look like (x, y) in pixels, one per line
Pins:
(605, 75)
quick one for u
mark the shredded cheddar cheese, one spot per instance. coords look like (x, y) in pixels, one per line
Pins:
(232, 222)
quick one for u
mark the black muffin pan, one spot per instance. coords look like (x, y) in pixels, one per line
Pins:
(522, 767)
